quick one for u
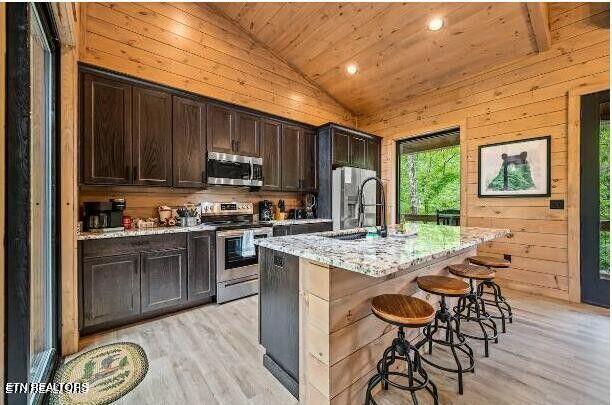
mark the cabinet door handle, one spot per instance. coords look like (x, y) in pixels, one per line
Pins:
(203, 176)
(233, 145)
(237, 145)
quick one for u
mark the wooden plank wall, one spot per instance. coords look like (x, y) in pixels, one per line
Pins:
(522, 99)
(143, 203)
(191, 47)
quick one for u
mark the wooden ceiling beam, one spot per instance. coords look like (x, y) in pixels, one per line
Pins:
(538, 15)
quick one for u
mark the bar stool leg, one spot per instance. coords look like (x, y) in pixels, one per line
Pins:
(498, 301)
(474, 302)
(401, 349)
(452, 339)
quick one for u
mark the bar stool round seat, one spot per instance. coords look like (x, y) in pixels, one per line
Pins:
(442, 285)
(490, 291)
(450, 335)
(405, 312)
(469, 271)
(488, 261)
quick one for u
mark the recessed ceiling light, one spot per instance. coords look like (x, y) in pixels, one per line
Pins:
(435, 24)
(351, 68)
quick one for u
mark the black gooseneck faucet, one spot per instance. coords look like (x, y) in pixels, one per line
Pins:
(382, 232)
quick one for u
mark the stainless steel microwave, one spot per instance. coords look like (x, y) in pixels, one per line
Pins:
(234, 170)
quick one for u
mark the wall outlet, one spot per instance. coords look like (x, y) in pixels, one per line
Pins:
(557, 204)
(508, 258)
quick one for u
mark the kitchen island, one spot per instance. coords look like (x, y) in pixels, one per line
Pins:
(322, 341)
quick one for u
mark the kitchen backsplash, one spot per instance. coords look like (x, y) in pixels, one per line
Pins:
(143, 203)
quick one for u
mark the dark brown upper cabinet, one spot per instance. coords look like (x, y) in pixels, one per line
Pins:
(372, 155)
(291, 158)
(136, 133)
(355, 149)
(308, 161)
(152, 137)
(247, 135)
(341, 148)
(220, 129)
(188, 143)
(271, 154)
(107, 131)
(357, 152)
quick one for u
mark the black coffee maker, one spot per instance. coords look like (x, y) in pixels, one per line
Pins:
(266, 210)
(104, 216)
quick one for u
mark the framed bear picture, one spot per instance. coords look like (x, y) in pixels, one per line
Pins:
(515, 168)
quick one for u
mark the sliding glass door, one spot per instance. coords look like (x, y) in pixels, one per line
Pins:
(32, 258)
(595, 198)
(42, 196)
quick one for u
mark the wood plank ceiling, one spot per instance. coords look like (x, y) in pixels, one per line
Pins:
(397, 56)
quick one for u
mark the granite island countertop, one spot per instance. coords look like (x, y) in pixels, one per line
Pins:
(176, 229)
(378, 257)
(281, 222)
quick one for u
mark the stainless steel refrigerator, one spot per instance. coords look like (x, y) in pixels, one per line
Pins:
(345, 197)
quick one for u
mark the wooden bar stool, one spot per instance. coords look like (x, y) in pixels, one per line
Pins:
(404, 312)
(498, 300)
(453, 339)
(473, 302)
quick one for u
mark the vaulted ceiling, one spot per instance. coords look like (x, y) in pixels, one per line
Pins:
(396, 55)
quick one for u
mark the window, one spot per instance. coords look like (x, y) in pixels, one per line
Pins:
(428, 178)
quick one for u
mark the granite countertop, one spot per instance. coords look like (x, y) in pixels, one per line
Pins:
(176, 229)
(143, 232)
(378, 257)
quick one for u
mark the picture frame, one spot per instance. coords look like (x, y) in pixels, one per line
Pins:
(515, 169)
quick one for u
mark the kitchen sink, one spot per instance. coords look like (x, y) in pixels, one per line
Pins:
(354, 236)
(365, 235)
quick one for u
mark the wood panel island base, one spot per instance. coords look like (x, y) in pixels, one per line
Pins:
(321, 339)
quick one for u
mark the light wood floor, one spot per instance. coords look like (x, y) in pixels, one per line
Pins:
(554, 353)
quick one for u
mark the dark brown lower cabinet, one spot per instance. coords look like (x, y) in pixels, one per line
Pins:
(279, 315)
(297, 229)
(110, 289)
(123, 280)
(163, 279)
(201, 275)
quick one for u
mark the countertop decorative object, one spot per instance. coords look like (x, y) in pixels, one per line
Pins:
(378, 257)
(175, 229)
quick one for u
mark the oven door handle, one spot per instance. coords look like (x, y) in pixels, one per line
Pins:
(252, 172)
(240, 232)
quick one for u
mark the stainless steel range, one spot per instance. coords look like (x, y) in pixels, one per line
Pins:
(237, 257)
